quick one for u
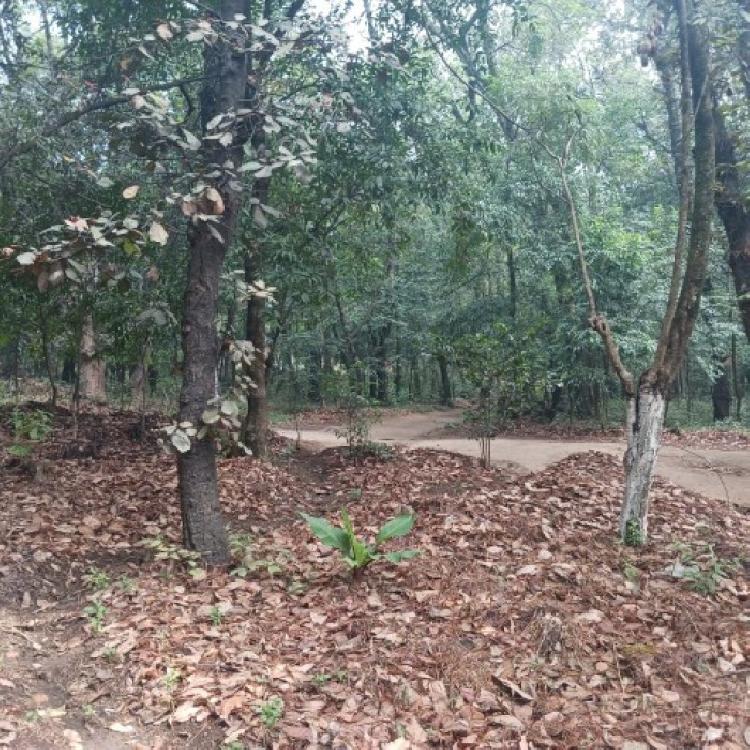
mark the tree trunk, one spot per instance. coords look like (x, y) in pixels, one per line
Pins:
(737, 384)
(446, 398)
(255, 425)
(48, 365)
(93, 382)
(730, 204)
(643, 424)
(138, 387)
(225, 65)
(721, 393)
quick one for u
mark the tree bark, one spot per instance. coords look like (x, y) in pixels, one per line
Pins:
(721, 392)
(446, 397)
(737, 380)
(735, 217)
(93, 381)
(203, 529)
(643, 424)
(255, 424)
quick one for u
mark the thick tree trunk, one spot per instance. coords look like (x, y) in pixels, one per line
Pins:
(225, 64)
(93, 382)
(643, 424)
(202, 521)
(721, 393)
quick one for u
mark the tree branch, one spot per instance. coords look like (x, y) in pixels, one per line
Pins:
(98, 105)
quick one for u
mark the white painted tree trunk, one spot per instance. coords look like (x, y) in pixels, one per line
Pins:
(643, 424)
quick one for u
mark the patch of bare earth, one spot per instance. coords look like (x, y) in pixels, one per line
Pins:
(523, 624)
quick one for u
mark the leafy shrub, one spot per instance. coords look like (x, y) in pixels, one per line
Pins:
(29, 427)
(702, 569)
(356, 553)
(271, 712)
(358, 421)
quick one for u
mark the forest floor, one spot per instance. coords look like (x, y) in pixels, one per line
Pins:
(523, 623)
(715, 463)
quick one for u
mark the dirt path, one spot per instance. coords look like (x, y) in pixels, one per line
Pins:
(715, 473)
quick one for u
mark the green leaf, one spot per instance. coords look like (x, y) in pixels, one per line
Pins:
(328, 534)
(396, 527)
(361, 553)
(402, 554)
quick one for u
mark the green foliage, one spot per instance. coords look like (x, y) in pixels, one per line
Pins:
(356, 553)
(242, 549)
(172, 678)
(95, 612)
(702, 568)
(271, 712)
(173, 554)
(323, 678)
(33, 425)
(633, 533)
(216, 616)
(358, 420)
(97, 579)
(29, 427)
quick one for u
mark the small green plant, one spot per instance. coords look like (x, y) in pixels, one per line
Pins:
(96, 579)
(702, 568)
(126, 584)
(271, 712)
(240, 544)
(216, 616)
(111, 654)
(32, 425)
(95, 612)
(251, 566)
(357, 424)
(233, 745)
(242, 547)
(174, 555)
(88, 711)
(323, 678)
(631, 573)
(633, 533)
(29, 427)
(357, 554)
(172, 678)
(297, 587)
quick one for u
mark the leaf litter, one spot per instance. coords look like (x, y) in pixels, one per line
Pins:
(523, 623)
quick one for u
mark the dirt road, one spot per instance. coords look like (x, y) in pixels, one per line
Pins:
(715, 473)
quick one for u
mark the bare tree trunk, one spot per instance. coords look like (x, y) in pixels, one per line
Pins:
(446, 398)
(737, 384)
(721, 392)
(225, 64)
(93, 370)
(643, 424)
(255, 425)
(46, 349)
(138, 387)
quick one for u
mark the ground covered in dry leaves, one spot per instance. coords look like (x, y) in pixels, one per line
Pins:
(523, 624)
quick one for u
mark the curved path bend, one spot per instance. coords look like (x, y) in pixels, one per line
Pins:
(720, 474)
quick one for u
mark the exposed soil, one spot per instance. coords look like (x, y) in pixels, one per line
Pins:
(690, 460)
(523, 623)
